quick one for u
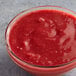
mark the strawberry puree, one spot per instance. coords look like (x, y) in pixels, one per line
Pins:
(45, 38)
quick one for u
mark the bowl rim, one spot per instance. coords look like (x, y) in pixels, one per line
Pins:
(28, 11)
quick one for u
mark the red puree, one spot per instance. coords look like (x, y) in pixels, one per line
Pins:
(46, 38)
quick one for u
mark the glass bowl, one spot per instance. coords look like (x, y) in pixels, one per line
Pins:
(39, 70)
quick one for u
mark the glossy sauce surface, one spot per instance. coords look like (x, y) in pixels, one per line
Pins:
(46, 38)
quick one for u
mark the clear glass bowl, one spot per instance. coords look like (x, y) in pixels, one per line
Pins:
(39, 70)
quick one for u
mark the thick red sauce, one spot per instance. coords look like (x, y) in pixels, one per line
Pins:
(46, 38)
